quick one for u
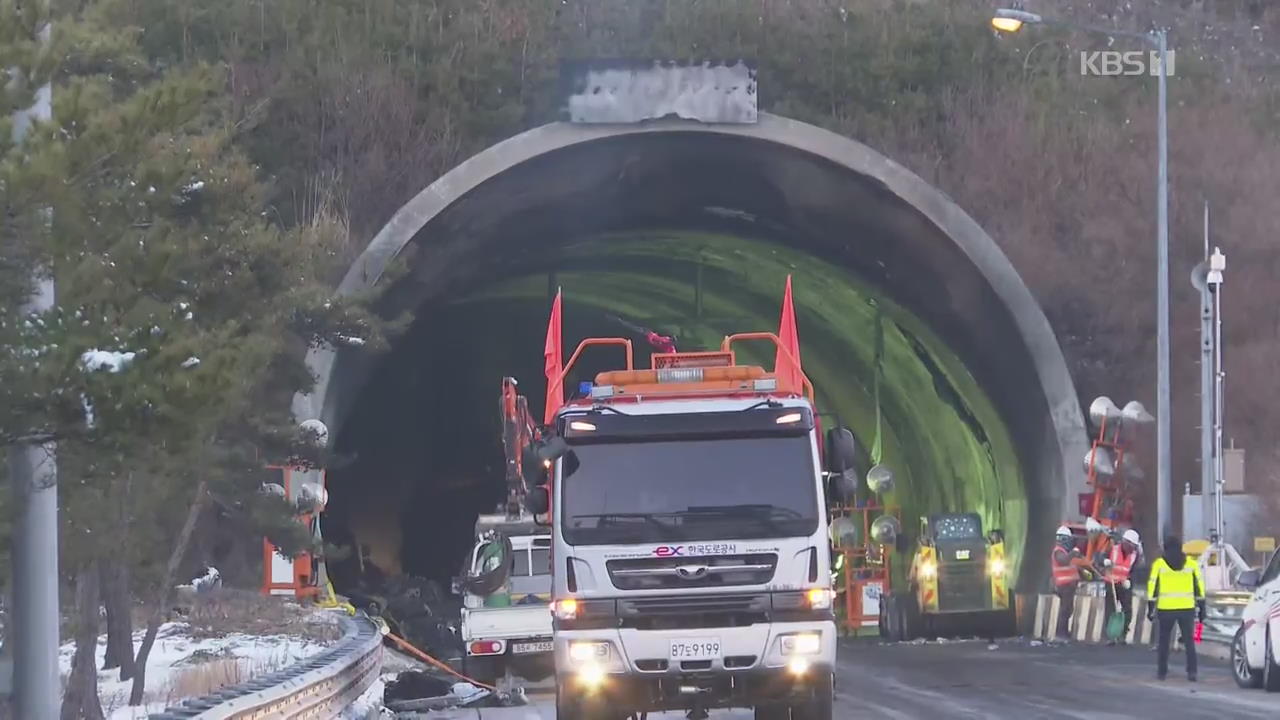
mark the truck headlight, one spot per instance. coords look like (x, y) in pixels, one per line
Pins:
(928, 569)
(801, 644)
(588, 652)
(591, 677)
(820, 598)
(997, 566)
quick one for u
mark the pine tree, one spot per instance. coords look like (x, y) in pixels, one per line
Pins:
(184, 311)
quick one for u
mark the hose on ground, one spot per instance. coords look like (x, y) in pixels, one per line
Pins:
(414, 651)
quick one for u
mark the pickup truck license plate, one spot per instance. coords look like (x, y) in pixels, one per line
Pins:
(696, 649)
(526, 648)
(962, 554)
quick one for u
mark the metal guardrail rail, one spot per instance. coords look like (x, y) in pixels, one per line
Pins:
(1223, 613)
(320, 686)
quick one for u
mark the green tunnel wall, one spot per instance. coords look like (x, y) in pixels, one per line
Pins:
(939, 432)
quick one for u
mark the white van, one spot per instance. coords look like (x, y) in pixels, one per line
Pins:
(1255, 651)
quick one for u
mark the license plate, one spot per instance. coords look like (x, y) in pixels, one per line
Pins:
(962, 554)
(696, 649)
(526, 648)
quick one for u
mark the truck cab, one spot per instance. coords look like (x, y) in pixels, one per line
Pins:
(689, 537)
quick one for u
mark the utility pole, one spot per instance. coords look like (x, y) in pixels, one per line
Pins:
(1164, 405)
(33, 626)
(1217, 264)
(1208, 391)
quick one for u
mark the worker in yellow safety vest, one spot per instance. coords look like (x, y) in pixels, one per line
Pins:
(1176, 594)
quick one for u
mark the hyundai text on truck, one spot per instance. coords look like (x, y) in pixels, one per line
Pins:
(691, 563)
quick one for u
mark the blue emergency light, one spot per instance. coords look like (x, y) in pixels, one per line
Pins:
(584, 389)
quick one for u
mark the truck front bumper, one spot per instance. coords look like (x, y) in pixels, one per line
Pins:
(754, 665)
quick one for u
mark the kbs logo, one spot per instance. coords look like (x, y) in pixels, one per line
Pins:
(1114, 62)
(669, 551)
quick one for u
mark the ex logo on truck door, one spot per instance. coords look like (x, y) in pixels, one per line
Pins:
(669, 551)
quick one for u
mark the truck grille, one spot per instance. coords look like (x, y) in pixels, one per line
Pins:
(671, 613)
(693, 572)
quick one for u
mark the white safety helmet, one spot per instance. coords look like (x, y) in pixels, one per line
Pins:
(1131, 535)
(1063, 530)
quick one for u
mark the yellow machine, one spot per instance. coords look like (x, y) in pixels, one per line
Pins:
(958, 583)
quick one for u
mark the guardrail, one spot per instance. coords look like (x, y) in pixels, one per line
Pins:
(320, 686)
(1223, 614)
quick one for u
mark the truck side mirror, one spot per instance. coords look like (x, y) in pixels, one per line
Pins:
(842, 450)
(538, 501)
(537, 457)
(552, 449)
(1249, 579)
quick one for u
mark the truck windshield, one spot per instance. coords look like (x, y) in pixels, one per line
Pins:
(690, 490)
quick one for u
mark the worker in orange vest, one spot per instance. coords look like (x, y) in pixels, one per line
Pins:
(1069, 565)
(1117, 568)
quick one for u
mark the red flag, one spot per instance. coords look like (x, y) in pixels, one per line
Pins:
(554, 363)
(787, 370)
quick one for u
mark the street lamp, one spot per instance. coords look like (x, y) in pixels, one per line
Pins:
(1009, 20)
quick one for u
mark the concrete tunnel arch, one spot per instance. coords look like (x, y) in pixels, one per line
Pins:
(920, 248)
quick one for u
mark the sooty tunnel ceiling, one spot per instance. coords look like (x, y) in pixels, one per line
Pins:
(692, 229)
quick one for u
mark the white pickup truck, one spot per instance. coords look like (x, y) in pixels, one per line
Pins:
(510, 629)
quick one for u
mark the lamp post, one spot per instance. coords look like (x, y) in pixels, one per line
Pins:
(1008, 20)
(33, 471)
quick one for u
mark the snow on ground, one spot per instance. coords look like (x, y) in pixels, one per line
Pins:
(369, 705)
(182, 666)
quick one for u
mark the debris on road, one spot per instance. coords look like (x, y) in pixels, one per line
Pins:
(415, 608)
(417, 691)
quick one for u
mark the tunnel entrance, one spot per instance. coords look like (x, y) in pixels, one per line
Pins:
(691, 230)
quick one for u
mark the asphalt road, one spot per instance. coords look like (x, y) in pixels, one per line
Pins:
(1021, 680)
(1016, 679)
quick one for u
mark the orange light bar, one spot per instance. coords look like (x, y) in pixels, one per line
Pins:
(737, 373)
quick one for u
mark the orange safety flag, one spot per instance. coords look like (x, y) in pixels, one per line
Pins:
(554, 363)
(787, 369)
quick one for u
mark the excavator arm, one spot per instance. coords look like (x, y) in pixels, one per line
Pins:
(518, 431)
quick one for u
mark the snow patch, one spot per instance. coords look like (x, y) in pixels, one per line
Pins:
(176, 651)
(368, 702)
(109, 360)
(89, 419)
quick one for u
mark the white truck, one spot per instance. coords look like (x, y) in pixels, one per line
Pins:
(692, 567)
(509, 628)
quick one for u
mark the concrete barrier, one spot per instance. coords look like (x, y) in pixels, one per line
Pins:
(1089, 617)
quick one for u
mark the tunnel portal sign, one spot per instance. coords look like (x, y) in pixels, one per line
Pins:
(632, 91)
